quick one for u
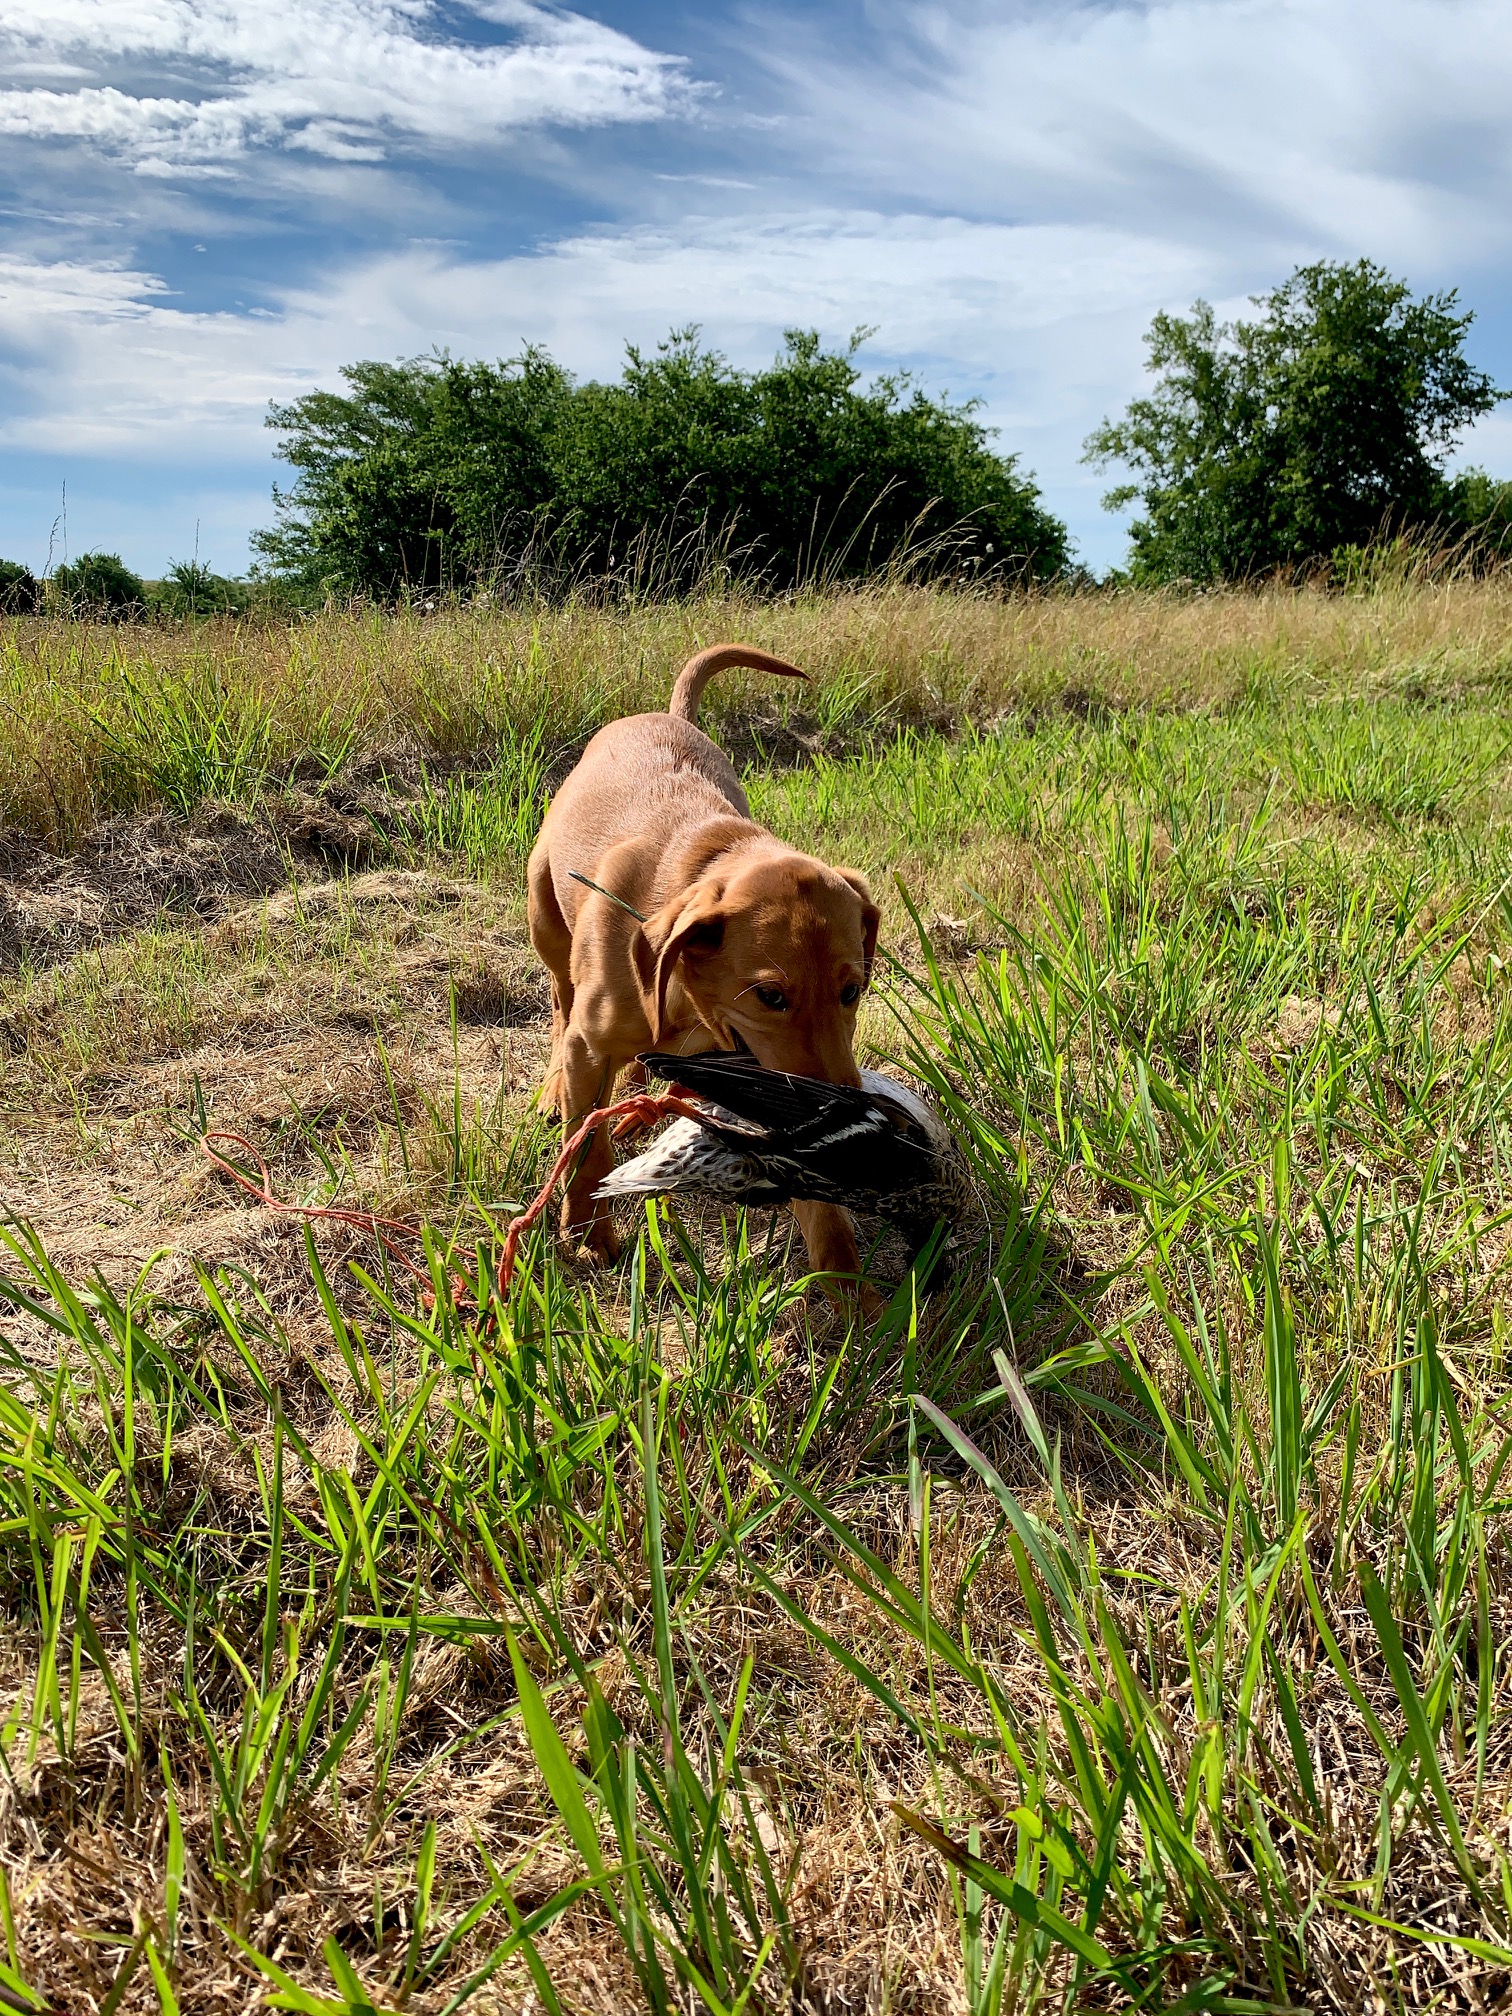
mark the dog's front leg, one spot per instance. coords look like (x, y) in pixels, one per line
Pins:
(830, 1236)
(588, 1081)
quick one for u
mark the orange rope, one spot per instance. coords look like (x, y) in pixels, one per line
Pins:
(641, 1109)
(360, 1221)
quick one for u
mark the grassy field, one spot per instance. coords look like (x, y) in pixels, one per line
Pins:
(1126, 1624)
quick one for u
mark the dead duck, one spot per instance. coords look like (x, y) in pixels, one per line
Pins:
(767, 1137)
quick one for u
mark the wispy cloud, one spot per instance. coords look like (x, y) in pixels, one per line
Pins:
(346, 79)
(37, 293)
(1356, 124)
(165, 384)
(1023, 309)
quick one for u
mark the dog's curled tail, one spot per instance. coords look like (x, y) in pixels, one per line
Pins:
(698, 671)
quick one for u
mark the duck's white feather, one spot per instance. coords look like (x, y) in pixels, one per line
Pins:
(883, 1087)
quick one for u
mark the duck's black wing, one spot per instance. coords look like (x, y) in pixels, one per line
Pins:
(790, 1108)
(827, 1143)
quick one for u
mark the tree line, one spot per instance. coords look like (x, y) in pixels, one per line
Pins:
(435, 474)
(101, 584)
(1300, 439)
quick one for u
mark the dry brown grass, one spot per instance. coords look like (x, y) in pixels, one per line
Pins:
(94, 721)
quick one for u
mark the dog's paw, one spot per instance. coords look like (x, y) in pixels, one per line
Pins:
(598, 1244)
(549, 1098)
(848, 1297)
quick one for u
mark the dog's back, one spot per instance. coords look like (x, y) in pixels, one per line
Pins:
(648, 776)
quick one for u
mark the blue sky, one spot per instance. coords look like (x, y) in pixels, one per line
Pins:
(208, 204)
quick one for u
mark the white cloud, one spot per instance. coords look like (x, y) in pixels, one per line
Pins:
(36, 297)
(97, 360)
(342, 78)
(1348, 125)
(1044, 322)
(107, 363)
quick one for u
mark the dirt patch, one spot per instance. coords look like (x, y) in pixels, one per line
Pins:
(348, 1026)
(138, 868)
(767, 738)
(325, 1109)
(1296, 1026)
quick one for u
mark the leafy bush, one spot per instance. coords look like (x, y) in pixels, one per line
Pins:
(99, 584)
(1480, 505)
(20, 593)
(436, 475)
(190, 588)
(1271, 443)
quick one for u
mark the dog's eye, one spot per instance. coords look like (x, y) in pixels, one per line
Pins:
(771, 997)
(849, 996)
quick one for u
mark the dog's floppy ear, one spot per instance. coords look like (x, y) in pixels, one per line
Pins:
(871, 919)
(691, 923)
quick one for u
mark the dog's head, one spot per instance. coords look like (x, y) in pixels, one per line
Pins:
(773, 949)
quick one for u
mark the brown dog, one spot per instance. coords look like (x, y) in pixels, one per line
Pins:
(744, 938)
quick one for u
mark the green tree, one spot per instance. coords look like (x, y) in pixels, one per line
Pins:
(1269, 443)
(20, 594)
(1479, 506)
(99, 584)
(435, 473)
(415, 473)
